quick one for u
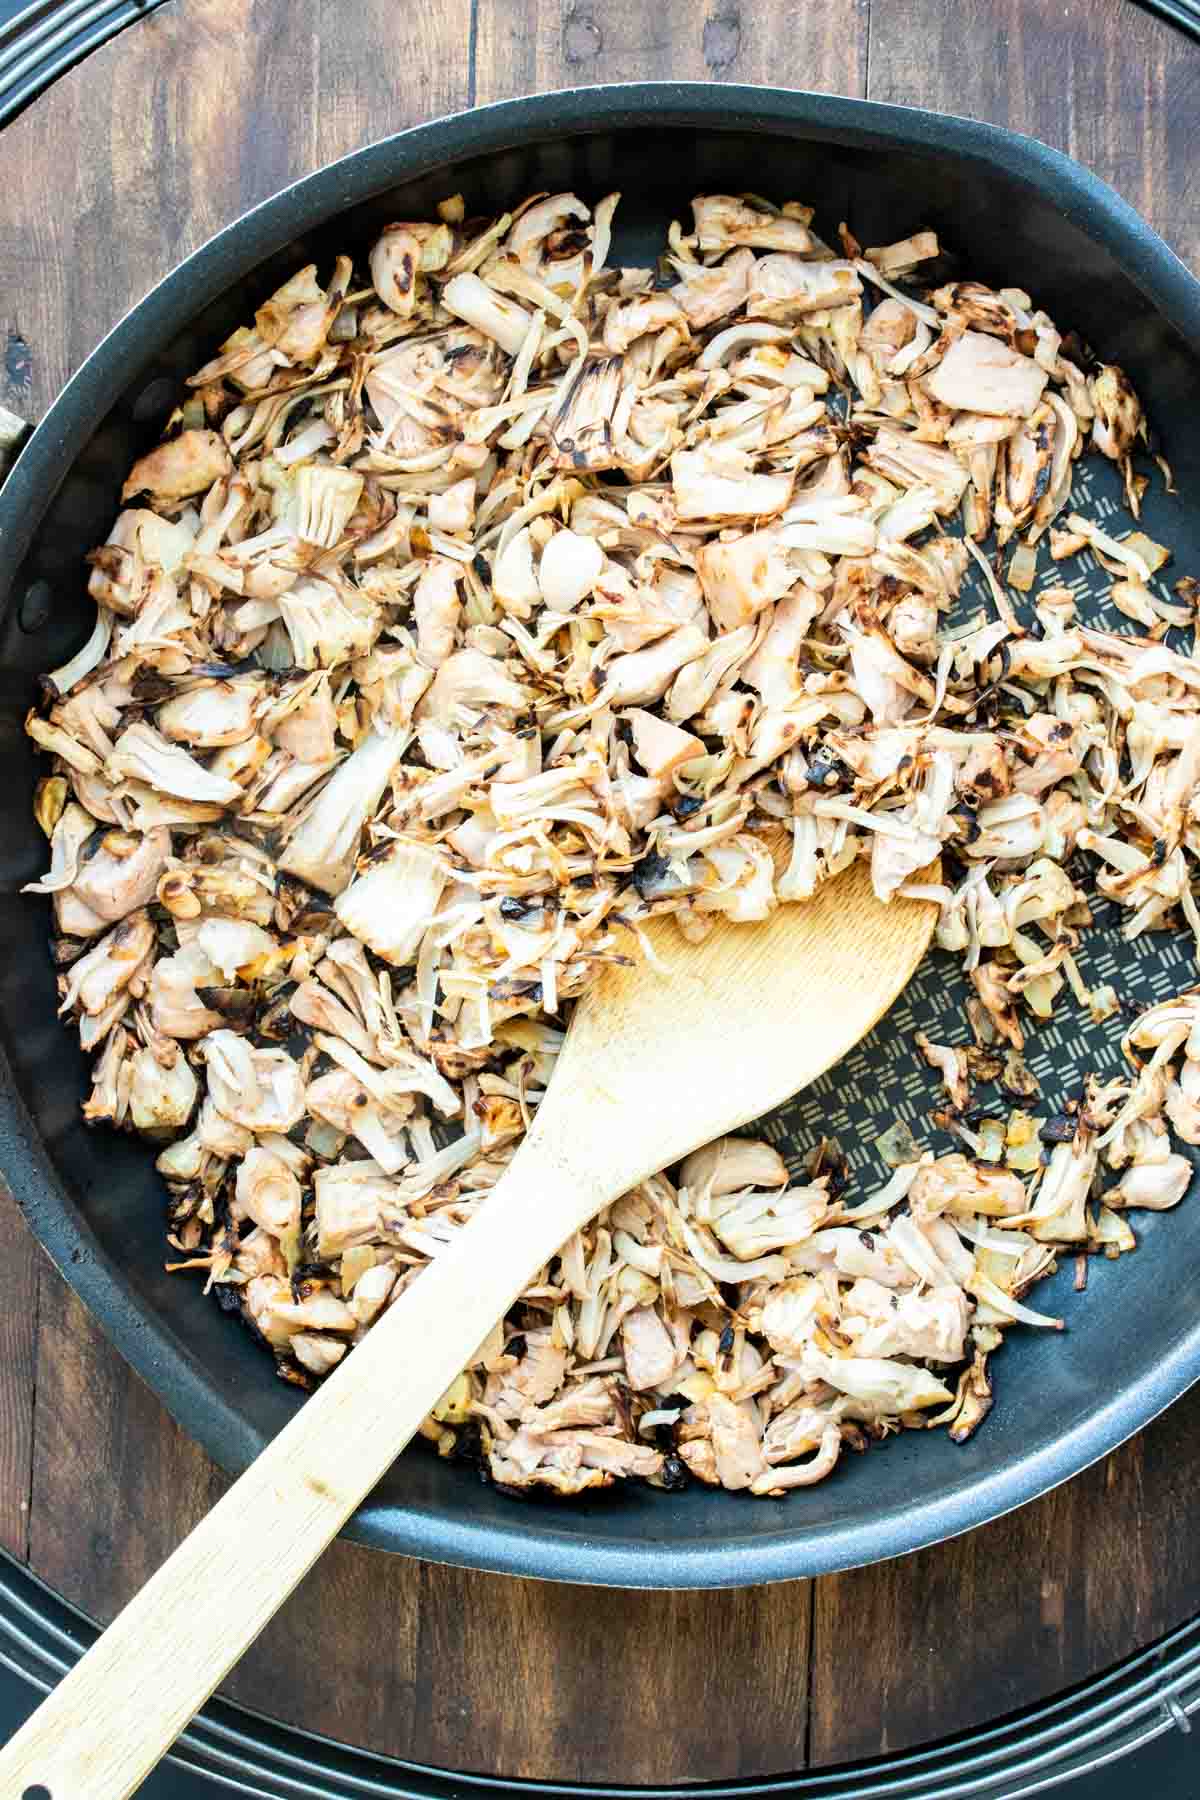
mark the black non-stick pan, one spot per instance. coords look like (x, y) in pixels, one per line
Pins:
(1015, 213)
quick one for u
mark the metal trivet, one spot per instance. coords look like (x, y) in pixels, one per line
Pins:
(41, 41)
(1075, 1734)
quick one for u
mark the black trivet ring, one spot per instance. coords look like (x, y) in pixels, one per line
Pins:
(1156, 1691)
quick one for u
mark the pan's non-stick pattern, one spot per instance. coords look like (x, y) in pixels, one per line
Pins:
(1015, 212)
(883, 1081)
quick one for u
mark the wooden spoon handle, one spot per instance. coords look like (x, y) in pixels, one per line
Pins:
(650, 1069)
(110, 1720)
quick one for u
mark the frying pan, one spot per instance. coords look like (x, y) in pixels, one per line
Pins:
(1015, 213)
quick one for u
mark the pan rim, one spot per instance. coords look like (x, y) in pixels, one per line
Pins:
(146, 1340)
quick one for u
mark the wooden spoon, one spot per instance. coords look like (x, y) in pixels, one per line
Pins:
(653, 1066)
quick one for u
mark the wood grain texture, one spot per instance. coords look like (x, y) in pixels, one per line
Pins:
(20, 1275)
(1021, 1609)
(179, 126)
(603, 1685)
(529, 46)
(1111, 85)
(653, 1067)
(199, 111)
(116, 1487)
(118, 1711)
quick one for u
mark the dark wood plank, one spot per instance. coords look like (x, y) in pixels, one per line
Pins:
(930, 1645)
(547, 1681)
(381, 67)
(1103, 80)
(528, 46)
(175, 129)
(20, 1276)
(116, 1485)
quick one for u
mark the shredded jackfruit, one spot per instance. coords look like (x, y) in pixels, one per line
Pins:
(486, 602)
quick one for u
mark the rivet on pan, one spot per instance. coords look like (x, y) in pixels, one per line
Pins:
(154, 399)
(34, 609)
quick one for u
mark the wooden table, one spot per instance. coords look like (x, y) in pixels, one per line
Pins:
(125, 166)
